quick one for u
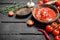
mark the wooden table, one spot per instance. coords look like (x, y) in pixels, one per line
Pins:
(17, 31)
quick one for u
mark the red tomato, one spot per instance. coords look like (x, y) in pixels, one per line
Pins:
(49, 28)
(59, 21)
(57, 3)
(57, 38)
(45, 1)
(55, 32)
(11, 13)
(30, 22)
(58, 8)
(54, 25)
(39, 2)
(59, 28)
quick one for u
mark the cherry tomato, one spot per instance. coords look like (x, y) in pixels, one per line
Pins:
(49, 28)
(57, 3)
(59, 21)
(55, 32)
(30, 22)
(54, 25)
(57, 38)
(45, 1)
(58, 8)
(11, 13)
(39, 2)
(59, 28)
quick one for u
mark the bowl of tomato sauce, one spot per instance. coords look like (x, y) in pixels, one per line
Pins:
(45, 13)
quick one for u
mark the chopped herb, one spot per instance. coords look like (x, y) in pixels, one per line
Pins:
(12, 7)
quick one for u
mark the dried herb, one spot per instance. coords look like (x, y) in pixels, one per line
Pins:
(12, 8)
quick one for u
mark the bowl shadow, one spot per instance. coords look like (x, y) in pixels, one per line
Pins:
(38, 24)
(22, 16)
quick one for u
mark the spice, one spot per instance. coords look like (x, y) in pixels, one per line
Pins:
(23, 11)
(12, 8)
(30, 4)
(44, 32)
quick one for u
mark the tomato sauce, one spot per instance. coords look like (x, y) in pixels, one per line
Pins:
(45, 14)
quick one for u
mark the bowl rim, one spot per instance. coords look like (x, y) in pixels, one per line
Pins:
(57, 13)
(25, 9)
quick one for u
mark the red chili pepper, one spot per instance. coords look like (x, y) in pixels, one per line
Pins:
(44, 32)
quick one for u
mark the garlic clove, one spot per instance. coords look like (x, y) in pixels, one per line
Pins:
(30, 4)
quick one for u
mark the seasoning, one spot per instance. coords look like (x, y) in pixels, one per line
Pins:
(23, 11)
(30, 4)
(44, 32)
